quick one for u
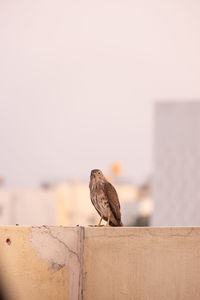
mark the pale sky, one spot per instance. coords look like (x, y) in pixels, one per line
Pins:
(78, 81)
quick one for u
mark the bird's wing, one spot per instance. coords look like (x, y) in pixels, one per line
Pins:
(113, 200)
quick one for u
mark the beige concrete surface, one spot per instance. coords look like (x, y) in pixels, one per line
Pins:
(61, 263)
(141, 264)
(40, 263)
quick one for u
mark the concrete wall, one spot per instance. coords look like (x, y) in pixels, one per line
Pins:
(48, 263)
(40, 263)
(142, 264)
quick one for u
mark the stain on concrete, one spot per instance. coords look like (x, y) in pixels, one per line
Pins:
(60, 247)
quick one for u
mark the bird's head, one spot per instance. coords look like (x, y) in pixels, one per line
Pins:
(97, 175)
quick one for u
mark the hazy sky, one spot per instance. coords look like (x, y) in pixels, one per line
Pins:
(78, 80)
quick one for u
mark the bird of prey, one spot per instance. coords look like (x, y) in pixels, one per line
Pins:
(105, 199)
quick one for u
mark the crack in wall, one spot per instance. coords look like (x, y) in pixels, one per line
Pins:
(64, 247)
(61, 247)
(63, 243)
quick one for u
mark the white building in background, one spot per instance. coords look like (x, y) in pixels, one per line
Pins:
(27, 206)
(176, 192)
(65, 204)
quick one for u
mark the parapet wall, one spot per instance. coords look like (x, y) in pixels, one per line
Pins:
(60, 263)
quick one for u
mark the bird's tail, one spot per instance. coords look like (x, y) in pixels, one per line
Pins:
(119, 224)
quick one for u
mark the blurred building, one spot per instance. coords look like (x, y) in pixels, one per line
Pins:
(67, 204)
(27, 206)
(177, 164)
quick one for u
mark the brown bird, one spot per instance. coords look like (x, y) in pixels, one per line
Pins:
(105, 199)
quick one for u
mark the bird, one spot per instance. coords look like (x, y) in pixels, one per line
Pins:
(105, 199)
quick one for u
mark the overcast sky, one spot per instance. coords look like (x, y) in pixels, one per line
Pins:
(78, 80)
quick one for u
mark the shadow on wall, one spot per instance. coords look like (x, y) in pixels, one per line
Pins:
(4, 295)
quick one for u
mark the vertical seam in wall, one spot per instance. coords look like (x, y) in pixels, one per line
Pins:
(81, 243)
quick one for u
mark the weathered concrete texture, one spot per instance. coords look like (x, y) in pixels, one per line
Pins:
(41, 263)
(61, 248)
(61, 263)
(141, 264)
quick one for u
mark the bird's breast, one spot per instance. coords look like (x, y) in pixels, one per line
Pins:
(100, 203)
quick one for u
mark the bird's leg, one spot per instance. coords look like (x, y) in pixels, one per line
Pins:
(108, 222)
(99, 224)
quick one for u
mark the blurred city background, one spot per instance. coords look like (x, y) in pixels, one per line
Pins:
(112, 85)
